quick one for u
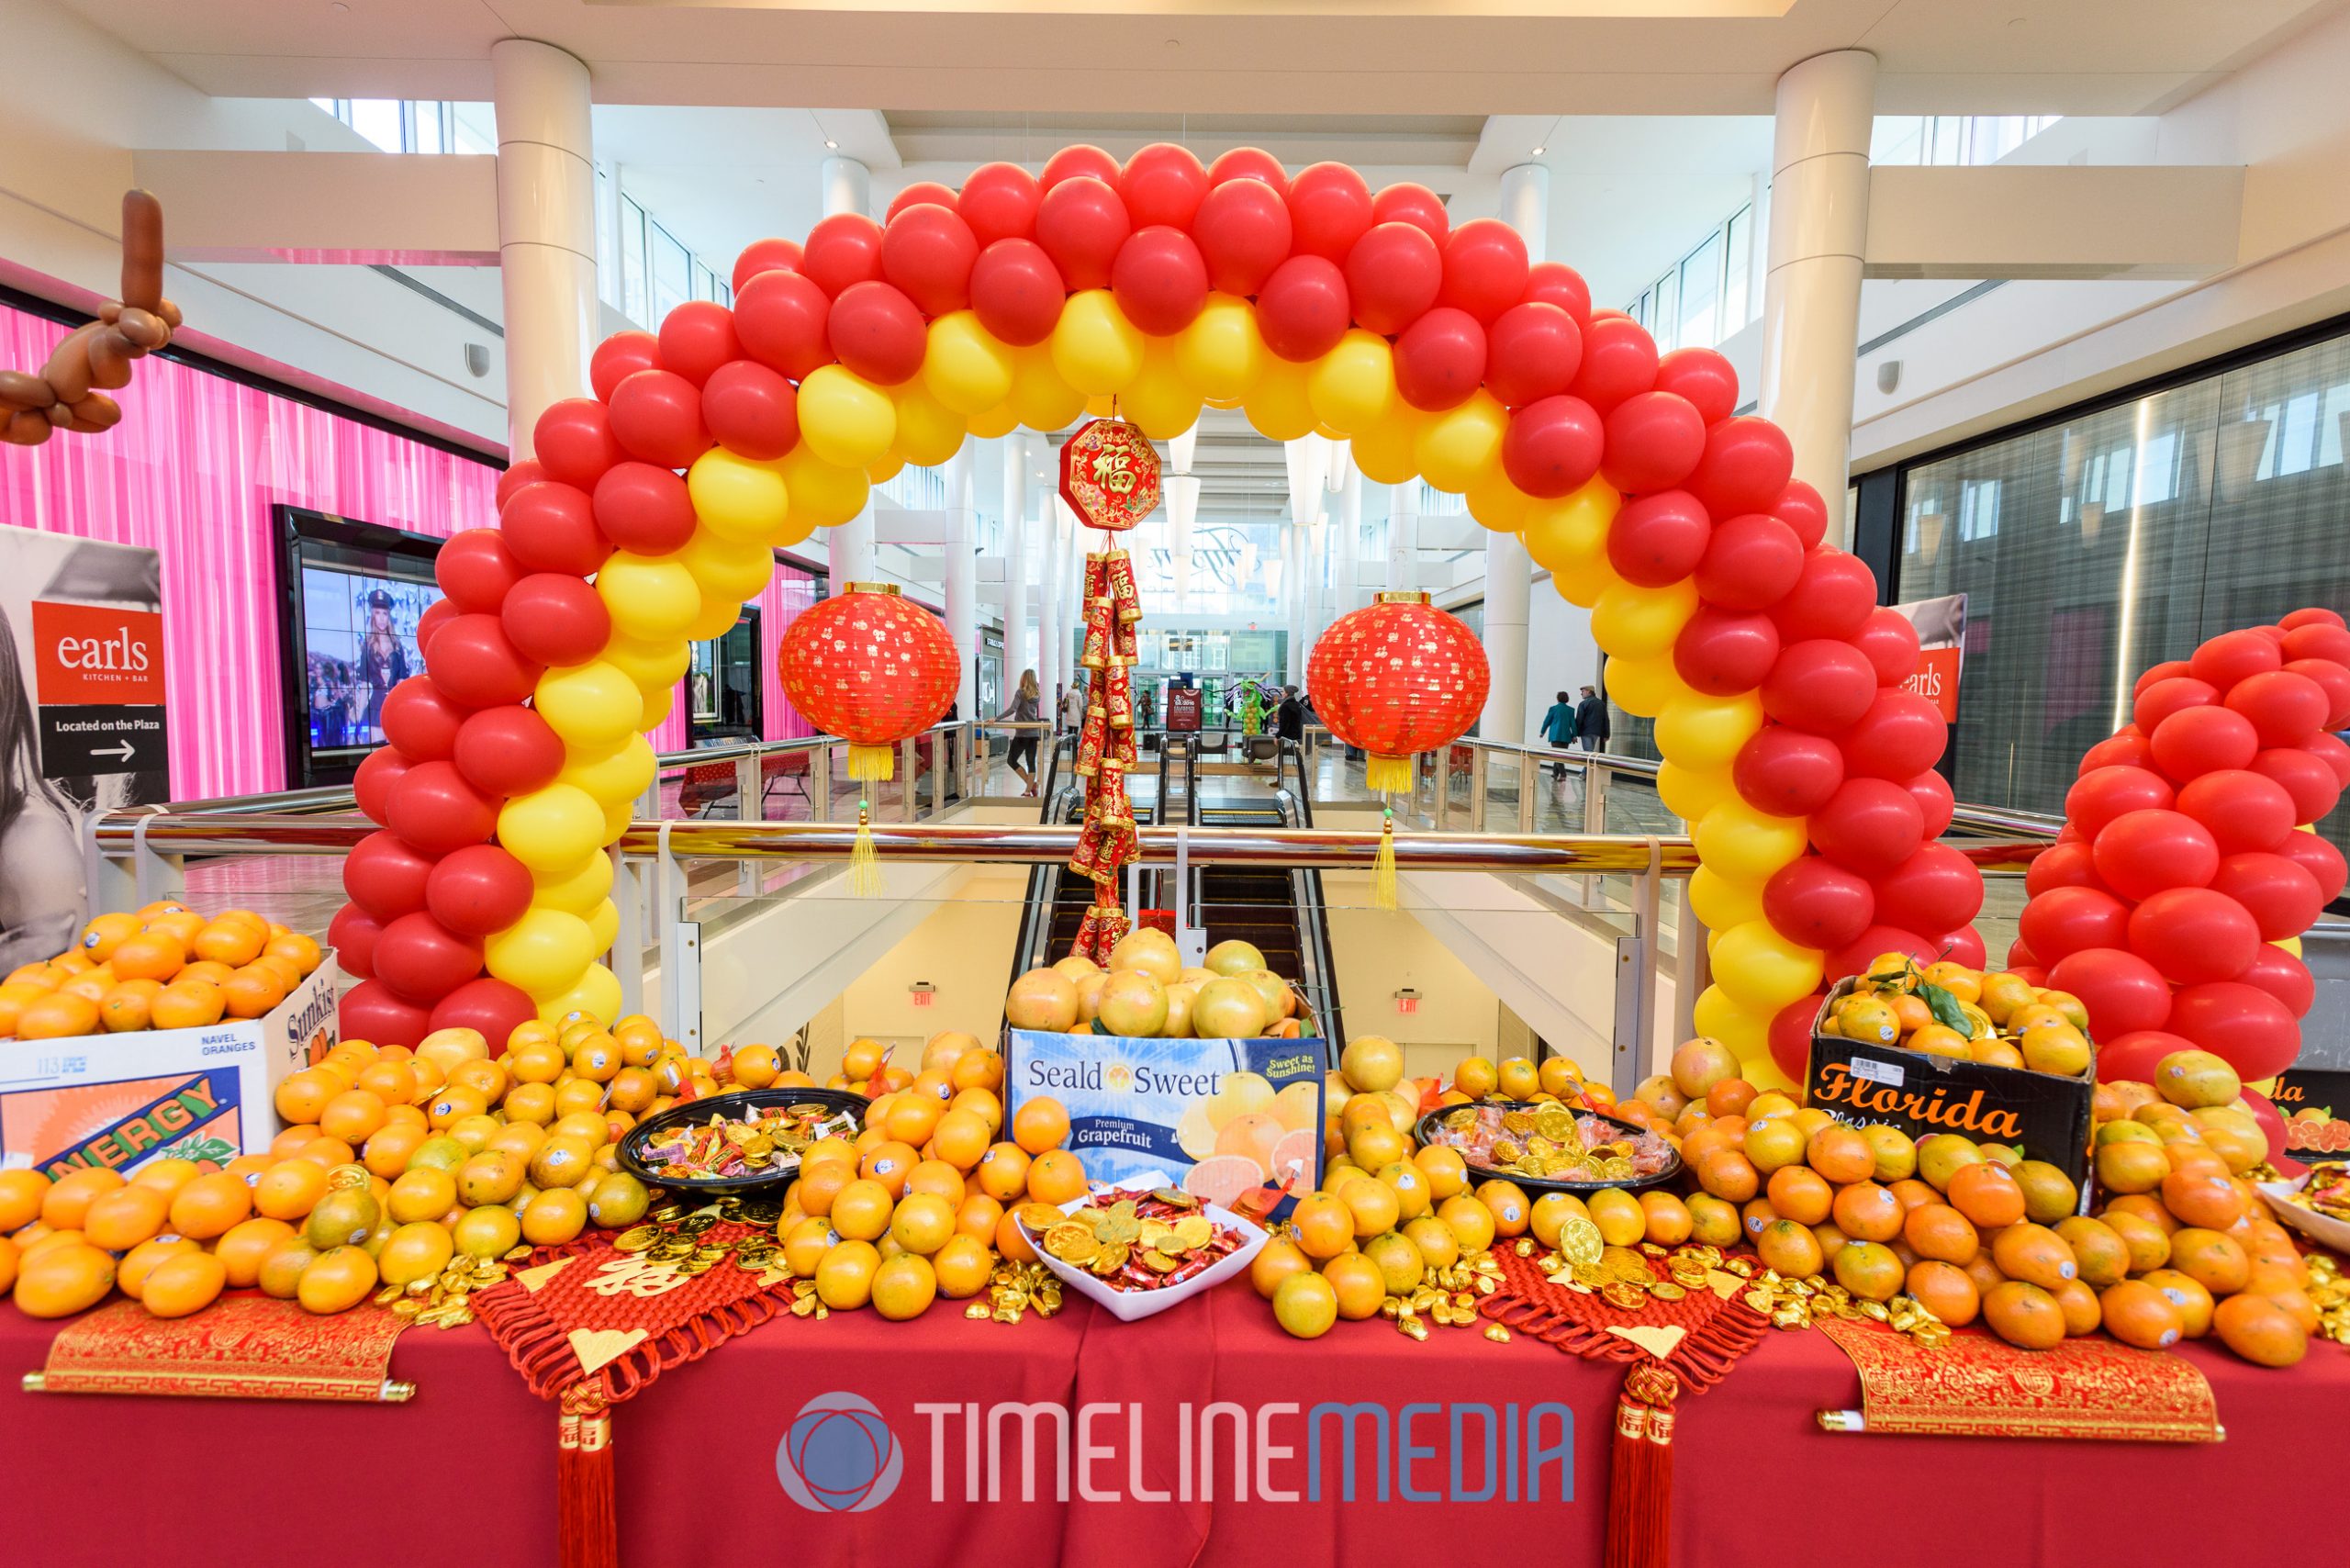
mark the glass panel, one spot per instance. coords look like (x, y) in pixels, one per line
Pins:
(1664, 321)
(1739, 266)
(432, 128)
(633, 282)
(673, 278)
(1701, 282)
(476, 128)
(378, 119)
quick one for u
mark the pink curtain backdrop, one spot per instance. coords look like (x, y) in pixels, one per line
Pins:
(192, 472)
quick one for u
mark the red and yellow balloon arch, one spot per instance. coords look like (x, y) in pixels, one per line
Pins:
(649, 513)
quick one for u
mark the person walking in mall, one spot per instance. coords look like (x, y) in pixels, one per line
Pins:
(1025, 710)
(1591, 721)
(1289, 719)
(1559, 730)
(1073, 705)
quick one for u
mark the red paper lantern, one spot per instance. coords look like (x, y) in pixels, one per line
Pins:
(871, 667)
(1397, 678)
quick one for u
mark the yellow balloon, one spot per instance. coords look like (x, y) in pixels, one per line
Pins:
(621, 815)
(552, 826)
(823, 495)
(717, 618)
(725, 568)
(1725, 1018)
(575, 889)
(546, 952)
(591, 705)
(597, 997)
(1388, 451)
(999, 421)
(649, 664)
(1705, 734)
(1717, 901)
(1352, 388)
(1583, 583)
(603, 925)
(1686, 794)
(1094, 347)
(738, 497)
(1498, 505)
(1745, 844)
(1642, 686)
(884, 470)
(1277, 406)
(1458, 445)
(1162, 402)
(1222, 352)
(2290, 944)
(652, 598)
(964, 365)
(1042, 399)
(1570, 533)
(614, 776)
(1632, 623)
(844, 418)
(1762, 970)
(657, 700)
(929, 432)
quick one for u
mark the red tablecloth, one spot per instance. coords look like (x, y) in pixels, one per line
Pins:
(469, 1465)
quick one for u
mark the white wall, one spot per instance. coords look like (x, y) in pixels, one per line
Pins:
(1561, 654)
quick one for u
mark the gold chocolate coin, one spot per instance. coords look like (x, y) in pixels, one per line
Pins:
(1579, 1240)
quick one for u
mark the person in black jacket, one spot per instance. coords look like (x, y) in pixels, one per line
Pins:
(1289, 719)
(1591, 721)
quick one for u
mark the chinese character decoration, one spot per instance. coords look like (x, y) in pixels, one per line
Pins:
(1110, 478)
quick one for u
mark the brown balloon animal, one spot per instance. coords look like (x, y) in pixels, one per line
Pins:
(70, 392)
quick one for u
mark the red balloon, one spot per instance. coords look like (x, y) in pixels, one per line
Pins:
(441, 612)
(551, 528)
(2124, 748)
(2168, 669)
(2307, 782)
(1082, 161)
(1440, 359)
(574, 442)
(1855, 956)
(530, 471)
(489, 1006)
(843, 249)
(1485, 268)
(1552, 447)
(352, 934)
(2241, 1024)
(1160, 280)
(1935, 802)
(1868, 825)
(2272, 1121)
(421, 961)
(2232, 657)
(697, 337)
(1788, 773)
(1329, 208)
(1532, 352)
(1080, 224)
(1301, 308)
(2283, 708)
(1415, 205)
(926, 255)
(2157, 700)
(752, 410)
(2281, 894)
(507, 751)
(1901, 735)
(2020, 958)
(1163, 184)
(2133, 1057)
(1833, 596)
(1654, 439)
(1702, 376)
(1016, 292)
(2330, 750)
(2313, 616)
(2065, 921)
(657, 416)
(553, 617)
(999, 202)
(2331, 679)
(2062, 866)
(2282, 976)
(436, 810)
(1937, 889)
(1963, 945)
(371, 1011)
(2320, 858)
(1555, 283)
(763, 256)
(2098, 796)
(1889, 642)
(921, 193)
(2141, 853)
(2196, 741)
(1618, 359)
(621, 356)
(1751, 563)
(1243, 232)
(476, 568)
(1393, 275)
(1657, 539)
(2121, 990)
(1746, 464)
(478, 665)
(642, 507)
(780, 317)
(1819, 905)
(1821, 686)
(877, 332)
(478, 891)
(376, 779)
(421, 720)
(2319, 642)
(2243, 809)
(384, 875)
(1248, 163)
(1721, 652)
(2193, 934)
(1791, 1036)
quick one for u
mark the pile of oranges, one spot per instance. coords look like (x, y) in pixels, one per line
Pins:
(163, 968)
(1949, 1010)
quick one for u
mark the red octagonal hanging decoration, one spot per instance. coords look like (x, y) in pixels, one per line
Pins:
(1110, 475)
(1397, 678)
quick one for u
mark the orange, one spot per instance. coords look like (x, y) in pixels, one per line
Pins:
(249, 993)
(1275, 1262)
(229, 942)
(58, 1015)
(1728, 1175)
(1669, 1224)
(1357, 1285)
(103, 934)
(57, 1282)
(336, 1281)
(487, 1079)
(1869, 1270)
(242, 1250)
(1447, 1173)
(387, 1151)
(21, 1193)
(1002, 1171)
(861, 1209)
(1791, 1248)
(903, 1287)
(556, 1215)
(212, 1205)
(2131, 1167)
(187, 1004)
(128, 1006)
(959, 1139)
(2103, 1257)
(2034, 1254)
(290, 1189)
(890, 1163)
(1840, 1154)
(303, 1097)
(1868, 1212)
(1775, 1142)
(425, 1192)
(820, 1185)
(167, 1175)
(1713, 1222)
(1055, 1176)
(2283, 1286)
(844, 1277)
(155, 955)
(923, 1222)
(938, 1179)
(2147, 1208)
(300, 951)
(205, 970)
(280, 1275)
(2186, 1293)
(978, 1070)
(1939, 1231)
(1326, 1225)
(1040, 1124)
(353, 1115)
(123, 1219)
(1987, 1194)
(2204, 1198)
(977, 1216)
(2137, 1313)
(912, 1117)
(68, 1200)
(2147, 1244)
(1800, 1193)
(2260, 1331)
(1504, 1201)
(2083, 1312)
(2216, 1262)
(179, 1285)
(1518, 1079)
(2024, 1315)
(1944, 1290)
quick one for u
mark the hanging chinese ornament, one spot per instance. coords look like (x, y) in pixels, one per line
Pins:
(1110, 478)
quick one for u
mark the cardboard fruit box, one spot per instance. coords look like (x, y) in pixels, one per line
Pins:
(1863, 1083)
(123, 1099)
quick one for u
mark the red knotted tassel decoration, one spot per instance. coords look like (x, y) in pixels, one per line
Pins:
(586, 1527)
(1639, 1470)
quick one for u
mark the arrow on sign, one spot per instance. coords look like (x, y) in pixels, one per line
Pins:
(121, 753)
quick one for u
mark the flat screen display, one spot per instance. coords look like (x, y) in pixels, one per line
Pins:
(355, 593)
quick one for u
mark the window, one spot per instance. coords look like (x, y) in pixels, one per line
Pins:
(1706, 297)
(1737, 262)
(635, 276)
(1951, 140)
(408, 125)
(1701, 291)
(673, 274)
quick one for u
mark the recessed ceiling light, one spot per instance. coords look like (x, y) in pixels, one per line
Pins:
(1537, 152)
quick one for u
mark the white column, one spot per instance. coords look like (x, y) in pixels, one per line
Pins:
(1019, 653)
(1510, 571)
(1525, 206)
(962, 608)
(1811, 296)
(1403, 536)
(546, 229)
(848, 187)
(1349, 552)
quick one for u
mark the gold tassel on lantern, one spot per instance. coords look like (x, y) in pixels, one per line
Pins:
(864, 863)
(872, 764)
(1388, 774)
(1382, 869)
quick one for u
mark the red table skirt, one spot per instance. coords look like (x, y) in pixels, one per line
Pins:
(469, 1463)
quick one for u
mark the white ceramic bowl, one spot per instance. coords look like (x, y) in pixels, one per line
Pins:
(1129, 1306)
(2323, 1228)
